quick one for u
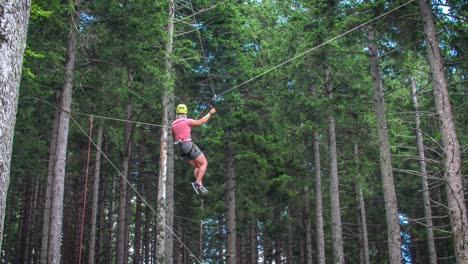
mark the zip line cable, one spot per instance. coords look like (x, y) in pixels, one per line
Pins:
(201, 11)
(135, 190)
(94, 116)
(316, 47)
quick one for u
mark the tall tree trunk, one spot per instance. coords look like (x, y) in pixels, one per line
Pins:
(170, 193)
(424, 179)
(166, 148)
(230, 199)
(111, 221)
(450, 143)
(138, 210)
(362, 220)
(337, 233)
(14, 17)
(101, 256)
(95, 202)
(122, 216)
(56, 209)
(253, 241)
(318, 202)
(386, 169)
(48, 194)
(307, 220)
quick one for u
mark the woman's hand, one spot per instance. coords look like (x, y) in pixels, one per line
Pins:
(212, 110)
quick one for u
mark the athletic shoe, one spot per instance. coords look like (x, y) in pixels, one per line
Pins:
(202, 189)
(195, 187)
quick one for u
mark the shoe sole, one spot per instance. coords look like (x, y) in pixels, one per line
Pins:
(195, 188)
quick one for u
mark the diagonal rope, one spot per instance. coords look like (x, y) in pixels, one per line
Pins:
(205, 59)
(316, 47)
(201, 11)
(93, 115)
(135, 190)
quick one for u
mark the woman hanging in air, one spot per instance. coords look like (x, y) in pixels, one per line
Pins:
(181, 128)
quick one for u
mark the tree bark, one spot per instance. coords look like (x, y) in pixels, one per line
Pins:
(386, 169)
(230, 199)
(307, 225)
(166, 148)
(48, 194)
(122, 215)
(102, 205)
(318, 202)
(337, 233)
(362, 215)
(56, 210)
(111, 221)
(451, 146)
(253, 241)
(138, 210)
(424, 178)
(95, 202)
(14, 17)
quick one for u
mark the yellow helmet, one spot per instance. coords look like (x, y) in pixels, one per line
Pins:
(181, 109)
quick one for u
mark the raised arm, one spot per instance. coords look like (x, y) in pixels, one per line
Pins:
(204, 119)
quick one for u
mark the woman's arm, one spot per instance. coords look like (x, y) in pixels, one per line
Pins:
(204, 119)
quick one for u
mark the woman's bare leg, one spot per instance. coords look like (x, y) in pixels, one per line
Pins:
(201, 164)
(194, 164)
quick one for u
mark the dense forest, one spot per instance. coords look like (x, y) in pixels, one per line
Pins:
(339, 132)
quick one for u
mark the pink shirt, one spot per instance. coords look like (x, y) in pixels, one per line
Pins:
(181, 129)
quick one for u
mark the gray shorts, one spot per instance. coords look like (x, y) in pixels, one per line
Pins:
(188, 150)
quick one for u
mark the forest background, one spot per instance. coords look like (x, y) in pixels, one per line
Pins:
(332, 143)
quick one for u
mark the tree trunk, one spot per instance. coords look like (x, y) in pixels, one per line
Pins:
(138, 210)
(230, 199)
(307, 224)
(56, 209)
(14, 17)
(111, 221)
(165, 154)
(253, 242)
(95, 202)
(102, 206)
(424, 179)
(391, 207)
(48, 194)
(450, 143)
(121, 219)
(318, 202)
(363, 237)
(337, 234)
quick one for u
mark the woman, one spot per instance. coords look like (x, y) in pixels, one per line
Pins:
(181, 128)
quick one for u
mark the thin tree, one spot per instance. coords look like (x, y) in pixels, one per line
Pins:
(362, 219)
(337, 233)
(165, 144)
(423, 170)
(230, 199)
(450, 143)
(122, 214)
(14, 19)
(318, 202)
(95, 201)
(58, 183)
(48, 194)
(386, 169)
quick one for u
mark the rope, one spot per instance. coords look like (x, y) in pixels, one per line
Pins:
(135, 190)
(316, 47)
(85, 189)
(93, 115)
(203, 50)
